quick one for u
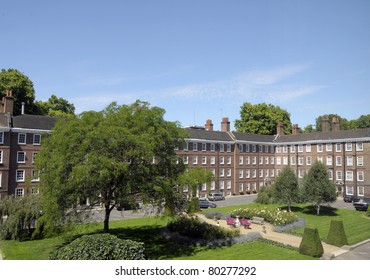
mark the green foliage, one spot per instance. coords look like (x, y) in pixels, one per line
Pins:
(22, 214)
(337, 235)
(368, 212)
(55, 107)
(193, 205)
(193, 228)
(311, 243)
(109, 157)
(286, 188)
(195, 178)
(262, 119)
(100, 247)
(266, 195)
(317, 187)
(22, 88)
(275, 216)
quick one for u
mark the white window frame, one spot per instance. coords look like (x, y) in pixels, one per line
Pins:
(308, 148)
(308, 160)
(195, 147)
(329, 147)
(19, 154)
(228, 148)
(204, 147)
(338, 161)
(339, 175)
(338, 147)
(213, 147)
(349, 176)
(20, 175)
(37, 139)
(2, 137)
(360, 191)
(213, 160)
(349, 190)
(349, 160)
(195, 160)
(204, 160)
(320, 148)
(359, 146)
(349, 147)
(360, 176)
(20, 138)
(241, 159)
(360, 161)
(19, 192)
(329, 160)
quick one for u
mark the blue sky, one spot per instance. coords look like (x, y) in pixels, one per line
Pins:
(198, 60)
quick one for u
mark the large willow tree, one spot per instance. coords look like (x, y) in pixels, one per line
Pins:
(121, 153)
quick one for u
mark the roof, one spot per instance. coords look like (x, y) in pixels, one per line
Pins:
(253, 137)
(34, 122)
(4, 121)
(203, 134)
(330, 136)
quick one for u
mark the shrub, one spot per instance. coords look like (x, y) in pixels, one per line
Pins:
(311, 243)
(265, 195)
(193, 205)
(337, 235)
(100, 247)
(274, 216)
(193, 228)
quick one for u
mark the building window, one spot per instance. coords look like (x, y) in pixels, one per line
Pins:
(348, 147)
(222, 160)
(1, 180)
(185, 159)
(21, 157)
(254, 173)
(319, 148)
(222, 172)
(35, 191)
(228, 160)
(261, 173)
(338, 147)
(1, 156)
(338, 176)
(248, 160)
(292, 160)
(195, 147)
(285, 149)
(308, 160)
(20, 176)
(204, 160)
(360, 191)
(228, 184)
(228, 172)
(186, 148)
(241, 148)
(360, 161)
(278, 149)
(278, 160)
(300, 173)
(222, 149)
(254, 160)
(204, 187)
(329, 147)
(22, 138)
(213, 160)
(266, 160)
(241, 174)
(241, 160)
(266, 149)
(195, 160)
(330, 174)
(272, 172)
(308, 148)
(213, 147)
(272, 160)
(360, 176)
(349, 190)
(300, 160)
(261, 160)
(1, 137)
(254, 149)
(349, 175)
(247, 173)
(329, 160)
(204, 147)
(338, 161)
(285, 160)
(36, 139)
(319, 159)
(228, 148)
(35, 176)
(349, 161)
(247, 148)
(359, 146)
(300, 148)
(292, 149)
(19, 192)
(222, 185)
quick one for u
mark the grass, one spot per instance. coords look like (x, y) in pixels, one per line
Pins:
(147, 230)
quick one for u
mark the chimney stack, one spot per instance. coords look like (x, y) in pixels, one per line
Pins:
(325, 127)
(295, 129)
(209, 125)
(225, 125)
(8, 102)
(280, 128)
(335, 124)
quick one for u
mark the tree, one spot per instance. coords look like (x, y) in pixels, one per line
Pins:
(286, 189)
(317, 187)
(121, 153)
(194, 179)
(54, 107)
(22, 89)
(309, 128)
(262, 119)
(363, 122)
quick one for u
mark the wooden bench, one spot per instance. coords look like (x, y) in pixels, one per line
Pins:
(258, 220)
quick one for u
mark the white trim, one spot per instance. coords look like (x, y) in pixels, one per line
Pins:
(29, 130)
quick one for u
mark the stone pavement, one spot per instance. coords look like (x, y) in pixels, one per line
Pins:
(267, 232)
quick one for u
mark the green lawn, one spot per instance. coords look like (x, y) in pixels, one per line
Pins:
(147, 230)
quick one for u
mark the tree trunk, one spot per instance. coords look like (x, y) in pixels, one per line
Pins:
(106, 220)
(318, 209)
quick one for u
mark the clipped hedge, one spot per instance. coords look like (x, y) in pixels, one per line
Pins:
(311, 243)
(337, 235)
(100, 247)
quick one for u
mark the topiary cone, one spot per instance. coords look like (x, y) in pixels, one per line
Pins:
(311, 243)
(337, 235)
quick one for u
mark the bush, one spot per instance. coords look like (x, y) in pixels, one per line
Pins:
(193, 205)
(337, 235)
(265, 195)
(311, 243)
(193, 228)
(274, 216)
(100, 247)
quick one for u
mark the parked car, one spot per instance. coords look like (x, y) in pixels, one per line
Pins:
(216, 196)
(351, 198)
(204, 203)
(363, 204)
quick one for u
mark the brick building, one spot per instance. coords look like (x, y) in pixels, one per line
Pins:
(20, 140)
(242, 163)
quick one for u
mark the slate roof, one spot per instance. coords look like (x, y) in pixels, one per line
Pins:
(4, 122)
(253, 137)
(34, 122)
(208, 135)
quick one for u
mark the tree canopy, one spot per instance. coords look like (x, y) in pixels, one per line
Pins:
(286, 189)
(54, 107)
(123, 152)
(262, 119)
(22, 88)
(317, 187)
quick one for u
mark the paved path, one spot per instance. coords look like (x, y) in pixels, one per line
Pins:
(267, 232)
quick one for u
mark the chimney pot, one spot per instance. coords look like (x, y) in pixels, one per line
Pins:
(225, 124)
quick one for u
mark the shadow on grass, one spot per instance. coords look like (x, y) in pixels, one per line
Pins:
(311, 210)
(156, 246)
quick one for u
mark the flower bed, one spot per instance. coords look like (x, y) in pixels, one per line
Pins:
(274, 216)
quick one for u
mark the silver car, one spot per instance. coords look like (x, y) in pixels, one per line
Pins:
(216, 196)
